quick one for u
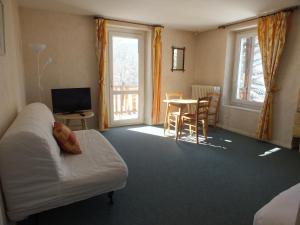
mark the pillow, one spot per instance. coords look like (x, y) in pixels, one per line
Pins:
(66, 138)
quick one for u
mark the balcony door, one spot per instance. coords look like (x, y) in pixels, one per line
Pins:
(126, 73)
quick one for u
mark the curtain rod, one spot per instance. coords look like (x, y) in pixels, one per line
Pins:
(123, 21)
(289, 9)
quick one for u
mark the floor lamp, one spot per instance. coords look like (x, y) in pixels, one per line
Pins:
(38, 49)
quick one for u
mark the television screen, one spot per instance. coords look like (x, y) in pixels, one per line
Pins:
(70, 100)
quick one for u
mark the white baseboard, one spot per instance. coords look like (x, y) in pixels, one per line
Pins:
(282, 144)
(239, 131)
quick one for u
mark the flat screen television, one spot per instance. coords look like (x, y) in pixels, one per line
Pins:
(71, 100)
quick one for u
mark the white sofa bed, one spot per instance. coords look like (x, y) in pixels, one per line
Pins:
(281, 210)
(36, 176)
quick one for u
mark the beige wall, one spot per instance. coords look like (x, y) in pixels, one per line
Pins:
(177, 80)
(288, 79)
(12, 93)
(210, 57)
(71, 44)
(214, 67)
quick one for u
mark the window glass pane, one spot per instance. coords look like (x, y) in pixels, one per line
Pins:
(125, 64)
(257, 88)
(250, 82)
(243, 68)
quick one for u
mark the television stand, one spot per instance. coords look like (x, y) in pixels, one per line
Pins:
(82, 116)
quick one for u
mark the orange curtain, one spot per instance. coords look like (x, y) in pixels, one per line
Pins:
(157, 48)
(101, 37)
(271, 38)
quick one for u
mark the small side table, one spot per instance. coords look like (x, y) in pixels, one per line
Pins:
(75, 116)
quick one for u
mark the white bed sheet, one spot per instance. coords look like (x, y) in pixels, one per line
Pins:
(99, 169)
(281, 210)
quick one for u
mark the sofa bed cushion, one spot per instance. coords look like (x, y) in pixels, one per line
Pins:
(99, 169)
(30, 160)
(35, 120)
(66, 138)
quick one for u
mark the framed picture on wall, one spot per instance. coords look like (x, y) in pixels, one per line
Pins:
(2, 31)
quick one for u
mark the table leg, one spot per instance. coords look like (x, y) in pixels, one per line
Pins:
(83, 124)
(178, 127)
(166, 118)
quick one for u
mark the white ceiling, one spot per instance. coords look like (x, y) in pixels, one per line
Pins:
(193, 15)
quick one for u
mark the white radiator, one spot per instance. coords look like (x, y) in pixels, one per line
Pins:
(200, 91)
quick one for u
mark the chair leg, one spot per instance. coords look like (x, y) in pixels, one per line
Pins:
(181, 127)
(205, 127)
(197, 133)
(178, 128)
(168, 128)
(178, 121)
(166, 122)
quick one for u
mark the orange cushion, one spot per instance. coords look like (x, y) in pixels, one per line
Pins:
(66, 138)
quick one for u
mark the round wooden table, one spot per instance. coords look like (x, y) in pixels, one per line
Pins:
(83, 116)
(181, 104)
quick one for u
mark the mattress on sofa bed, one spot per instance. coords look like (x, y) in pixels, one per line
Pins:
(281, 210)
(97, 170)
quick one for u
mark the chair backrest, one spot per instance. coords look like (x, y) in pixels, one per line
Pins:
(202, 108)
(200, 91)
(215, 101)
(173, 95)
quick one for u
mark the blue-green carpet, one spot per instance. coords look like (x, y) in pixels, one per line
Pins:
(181, 183)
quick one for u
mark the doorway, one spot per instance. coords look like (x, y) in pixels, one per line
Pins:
(126, 77)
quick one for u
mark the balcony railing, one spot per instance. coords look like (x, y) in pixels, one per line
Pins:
(125, 105)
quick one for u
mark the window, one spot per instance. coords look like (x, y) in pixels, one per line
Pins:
(248, 86)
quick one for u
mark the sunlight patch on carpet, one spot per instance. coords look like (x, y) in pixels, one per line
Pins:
(273, 150)
(157, 131)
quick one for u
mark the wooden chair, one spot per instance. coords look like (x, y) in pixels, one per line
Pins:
(172, 112)
(197, 119)
(213, 111)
